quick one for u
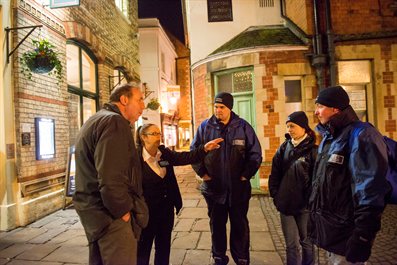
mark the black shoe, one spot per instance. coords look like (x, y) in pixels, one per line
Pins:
(221, 261)
(242, 262)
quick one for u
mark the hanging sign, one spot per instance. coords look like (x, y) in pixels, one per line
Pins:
(63, 3)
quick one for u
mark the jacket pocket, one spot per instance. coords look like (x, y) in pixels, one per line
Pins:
(210, 187)
(332, 233)
(140, 211)
(95, 222)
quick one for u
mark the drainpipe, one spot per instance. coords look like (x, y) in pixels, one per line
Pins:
(318, 59)
(330, 42)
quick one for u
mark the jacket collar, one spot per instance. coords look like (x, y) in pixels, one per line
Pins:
(112, 107)
(233, 119)
(338, 122)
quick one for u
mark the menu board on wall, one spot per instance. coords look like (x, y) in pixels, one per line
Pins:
(219, 10)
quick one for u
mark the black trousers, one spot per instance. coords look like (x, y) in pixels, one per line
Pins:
(159, 229)
(239, 229)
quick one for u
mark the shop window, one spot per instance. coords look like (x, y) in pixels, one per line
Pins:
(82, 84)
(122, 5)
(293, 96)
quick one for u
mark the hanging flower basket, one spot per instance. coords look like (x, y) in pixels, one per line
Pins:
(154, 104)
(42, 59)
(40, 64)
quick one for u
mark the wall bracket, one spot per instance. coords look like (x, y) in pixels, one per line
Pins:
(7, 29)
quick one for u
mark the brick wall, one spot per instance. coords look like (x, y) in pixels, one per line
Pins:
(183, 79)
(294, 63)
(348, 17)
(352, 17)
(300, 12)
(99, 26)
(200, 112)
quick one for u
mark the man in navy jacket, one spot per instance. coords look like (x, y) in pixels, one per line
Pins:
(226, 173)
(349, 181)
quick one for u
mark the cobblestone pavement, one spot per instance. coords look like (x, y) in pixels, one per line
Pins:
(384, 251)
(58, 239)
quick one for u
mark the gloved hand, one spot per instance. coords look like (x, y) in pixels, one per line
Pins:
(358, 248)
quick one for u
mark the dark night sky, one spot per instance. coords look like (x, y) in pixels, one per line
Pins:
(169, 12)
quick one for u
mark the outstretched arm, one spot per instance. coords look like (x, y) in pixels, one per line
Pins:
(185, 158)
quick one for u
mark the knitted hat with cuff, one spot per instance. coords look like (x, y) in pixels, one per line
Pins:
(334, 97)
(225, 99)
(299, 118)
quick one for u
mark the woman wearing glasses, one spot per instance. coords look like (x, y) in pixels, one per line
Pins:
(161, 191)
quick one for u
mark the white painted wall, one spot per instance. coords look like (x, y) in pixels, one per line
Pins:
(8, 178)
(205, 37)
(153, 42)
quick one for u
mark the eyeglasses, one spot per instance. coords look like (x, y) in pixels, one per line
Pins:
(153, 133)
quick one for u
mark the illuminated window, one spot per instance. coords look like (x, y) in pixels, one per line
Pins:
(82, 85)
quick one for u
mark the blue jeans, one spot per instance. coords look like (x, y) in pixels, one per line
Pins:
(295, 233)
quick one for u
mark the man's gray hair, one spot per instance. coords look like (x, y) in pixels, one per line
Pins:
(123, 90)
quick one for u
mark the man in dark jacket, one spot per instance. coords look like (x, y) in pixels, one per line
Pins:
(108, 197)
(226, 173)
(349, 185)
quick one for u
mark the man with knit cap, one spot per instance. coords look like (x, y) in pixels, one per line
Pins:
(349, 184)
(226, 173)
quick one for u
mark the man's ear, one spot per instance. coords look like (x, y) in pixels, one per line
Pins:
(123, 100)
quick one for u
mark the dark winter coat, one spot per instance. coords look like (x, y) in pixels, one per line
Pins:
(291, 175)
(349, 184)
(108, 174)
(240, 155)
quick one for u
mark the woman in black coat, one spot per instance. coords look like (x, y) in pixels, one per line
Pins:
(161, 191)
(289, 186)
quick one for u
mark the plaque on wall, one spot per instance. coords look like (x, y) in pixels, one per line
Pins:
(25, 139)
(219, 10)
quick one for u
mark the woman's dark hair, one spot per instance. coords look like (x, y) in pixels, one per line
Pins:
(141, 131)
(123, 90)
(310, 132)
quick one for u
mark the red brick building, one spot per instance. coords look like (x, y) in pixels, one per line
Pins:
(273, 70)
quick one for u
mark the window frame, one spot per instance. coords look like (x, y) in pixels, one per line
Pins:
(79, 91)
(289, 106)
(231, 72)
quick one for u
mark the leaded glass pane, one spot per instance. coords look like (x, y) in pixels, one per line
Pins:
(242, 81)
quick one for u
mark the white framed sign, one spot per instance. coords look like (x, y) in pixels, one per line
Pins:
(45, 138)
(63, 3)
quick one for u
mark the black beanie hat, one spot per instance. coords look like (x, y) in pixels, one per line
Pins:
(225, 99)
(300, 118)
(334, 97)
